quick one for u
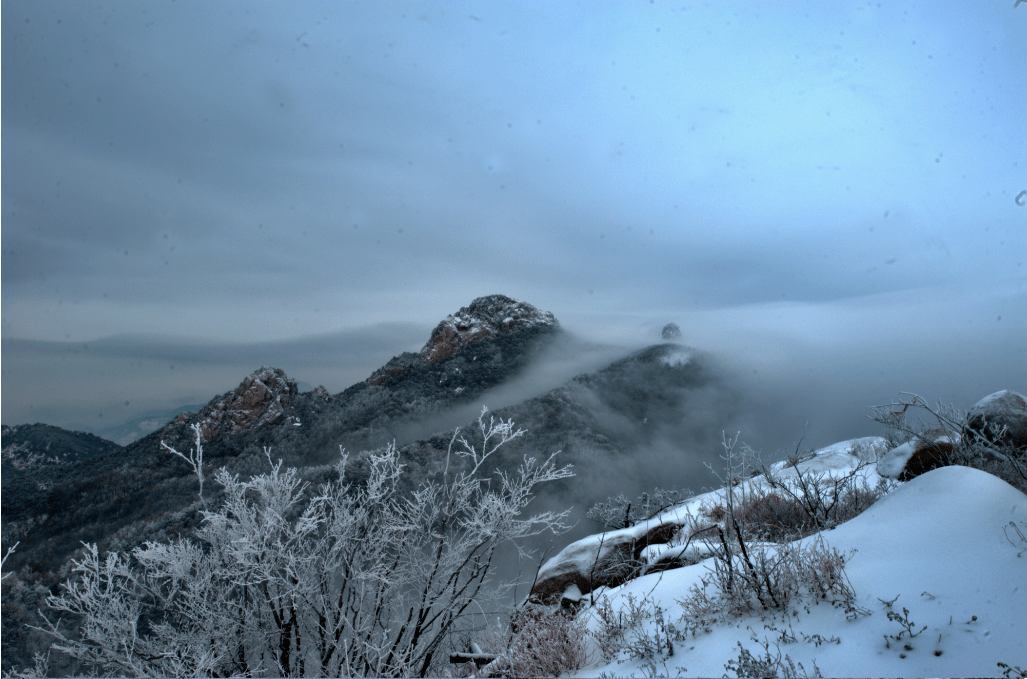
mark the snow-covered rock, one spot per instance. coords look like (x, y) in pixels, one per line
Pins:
(607, 559)
(920, 455)
(1002, 409)
(482, 318)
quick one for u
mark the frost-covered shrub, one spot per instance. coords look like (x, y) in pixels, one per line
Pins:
(759, 567)
(767, 665)
(620, 512)
(542, 643)
(344, 581)
(614, 630)
(753, 577)
(765, 579)
(640, 629)
(791, 503)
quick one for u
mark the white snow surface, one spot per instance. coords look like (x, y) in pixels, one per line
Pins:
(677, 358)
(936, 542)
(989, 402)
(892, 464)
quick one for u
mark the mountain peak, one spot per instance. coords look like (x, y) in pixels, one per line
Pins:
(483, 318)
(258, 401)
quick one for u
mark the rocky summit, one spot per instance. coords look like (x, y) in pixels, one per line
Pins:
(484, 317)
(259, 401)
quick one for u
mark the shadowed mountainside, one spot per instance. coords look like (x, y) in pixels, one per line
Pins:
(29, 448)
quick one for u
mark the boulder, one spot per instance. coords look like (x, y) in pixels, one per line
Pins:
(671, 332)
(928, 451)
(482, 318)
(1003, 409)
(608, 559)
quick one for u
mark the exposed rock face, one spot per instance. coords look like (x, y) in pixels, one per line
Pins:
(259, 401)
(1002, 409)
(918, 456)
(482, 318)
(606, 560)
(671, 331)
(396, 366)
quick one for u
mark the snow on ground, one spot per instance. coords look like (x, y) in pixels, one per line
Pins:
(937, 543)
(677, 357)
(834, 461)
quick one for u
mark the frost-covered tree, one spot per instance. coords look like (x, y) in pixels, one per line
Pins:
(356, 581)
(10, 550)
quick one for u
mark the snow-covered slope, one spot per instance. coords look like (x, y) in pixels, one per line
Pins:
(836, 461)
(937, 543)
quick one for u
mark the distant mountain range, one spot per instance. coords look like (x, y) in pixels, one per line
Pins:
(136, 428)
(649, 418)
(29, 448)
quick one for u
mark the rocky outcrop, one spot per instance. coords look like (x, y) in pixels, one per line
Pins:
(484, 317)
(259, 401)
(671, 332)
(930, 450)
(1004, 410)
(605, 560)
(397, 365)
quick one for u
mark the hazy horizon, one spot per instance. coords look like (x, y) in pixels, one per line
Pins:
(843, 373)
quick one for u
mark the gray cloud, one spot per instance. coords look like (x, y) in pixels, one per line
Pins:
(242, 174)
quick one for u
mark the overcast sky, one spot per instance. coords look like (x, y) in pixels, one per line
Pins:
(824, 191)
